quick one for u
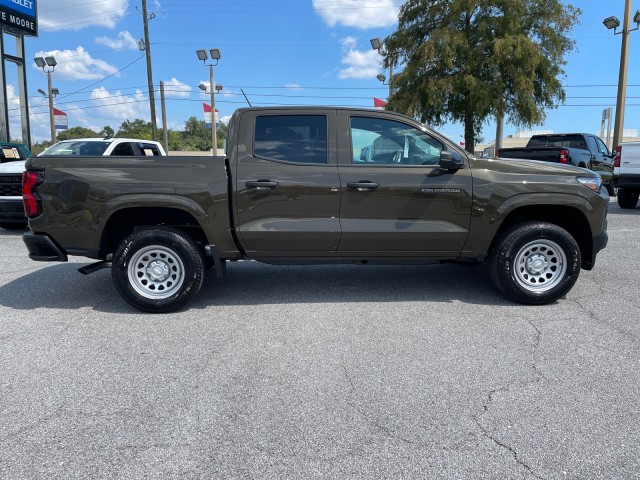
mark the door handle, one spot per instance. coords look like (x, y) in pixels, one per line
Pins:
(261, 184)
(363, 186)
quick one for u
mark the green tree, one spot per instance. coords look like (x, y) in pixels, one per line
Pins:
(467, 60)
(137, 128)
(107, 132)
(197, 136)
(77, 132)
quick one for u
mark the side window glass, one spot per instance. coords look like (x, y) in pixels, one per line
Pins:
(123, 149)
(593, 146)
(381, 141)
(149, 149)
(291, 138)
(602, 147)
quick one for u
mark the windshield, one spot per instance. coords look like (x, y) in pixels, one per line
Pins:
(81, 147)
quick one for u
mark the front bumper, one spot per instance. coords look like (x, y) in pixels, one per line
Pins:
(43, 249)
(627, 181)
(12, 211)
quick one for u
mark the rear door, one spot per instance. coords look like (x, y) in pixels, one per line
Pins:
(287, 197)
(395, 199)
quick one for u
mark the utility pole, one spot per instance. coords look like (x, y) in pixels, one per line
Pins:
(618, 129)
(165, 133)
(147, 48)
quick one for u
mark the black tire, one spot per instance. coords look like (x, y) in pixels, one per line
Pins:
(535, 262)
(627, 198)
(158, 270)
(610, 190)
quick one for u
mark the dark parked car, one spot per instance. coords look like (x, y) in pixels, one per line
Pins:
(579, 149)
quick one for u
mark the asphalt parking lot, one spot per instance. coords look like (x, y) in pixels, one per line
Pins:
(322, 372)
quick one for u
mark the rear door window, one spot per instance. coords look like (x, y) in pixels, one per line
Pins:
(124, 149)
(291, 138)
(149, 149)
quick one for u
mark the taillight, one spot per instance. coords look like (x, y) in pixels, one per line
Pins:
(30, 198)
(616, 161)
(564, 156)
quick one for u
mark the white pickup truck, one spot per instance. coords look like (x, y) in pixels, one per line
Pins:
(626, 174)
(11, 211)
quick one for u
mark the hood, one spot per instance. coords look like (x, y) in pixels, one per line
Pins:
(523, 166)
(12, 167)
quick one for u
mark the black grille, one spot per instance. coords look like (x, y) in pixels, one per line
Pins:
(11, 185)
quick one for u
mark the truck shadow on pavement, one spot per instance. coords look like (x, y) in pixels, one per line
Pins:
(252, 283)
(60, 286)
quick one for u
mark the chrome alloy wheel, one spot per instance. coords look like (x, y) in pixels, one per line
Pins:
(156, 272)
(540, 265)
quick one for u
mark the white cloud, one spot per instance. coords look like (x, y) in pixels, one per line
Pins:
(124, 40)
(174, 88)
(293, 86)
(362, 14)
(13, 104)
(359, 64)
(78, 65)
(115, 108)
(74, 15)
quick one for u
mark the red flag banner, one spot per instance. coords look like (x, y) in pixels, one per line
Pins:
(60, 119)
(379, 103)
(207, 115)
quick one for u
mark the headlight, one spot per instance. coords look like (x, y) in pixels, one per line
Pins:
(592, 183)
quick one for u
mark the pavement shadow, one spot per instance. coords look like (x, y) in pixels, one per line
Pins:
(251, 283)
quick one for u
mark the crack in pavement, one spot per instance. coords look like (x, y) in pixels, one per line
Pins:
(596, 319)
(372, 423)
(537, 377)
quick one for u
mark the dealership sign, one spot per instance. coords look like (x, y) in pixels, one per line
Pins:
(19, 17)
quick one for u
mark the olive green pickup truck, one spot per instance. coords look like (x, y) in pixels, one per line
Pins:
(316, 185)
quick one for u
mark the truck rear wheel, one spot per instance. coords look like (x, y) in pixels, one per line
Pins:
(627, 198)
(535, 263)
(158, 270)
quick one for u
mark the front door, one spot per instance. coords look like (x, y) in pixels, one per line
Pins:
(395, 199)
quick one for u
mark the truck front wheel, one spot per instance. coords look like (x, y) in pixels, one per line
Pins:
(535, 263)
(627, 198)
(158, 270)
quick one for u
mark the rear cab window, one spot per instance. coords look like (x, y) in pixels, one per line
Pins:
(291, 138)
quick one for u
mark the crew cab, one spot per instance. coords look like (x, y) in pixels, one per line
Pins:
(579, 149)
(626, 174)
(316, 185)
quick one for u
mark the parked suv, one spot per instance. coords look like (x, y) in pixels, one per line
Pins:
(11, 209)
(105, 147)
(12, 159)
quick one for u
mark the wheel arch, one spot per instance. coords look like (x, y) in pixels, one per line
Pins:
(125, 221)
(568, 217)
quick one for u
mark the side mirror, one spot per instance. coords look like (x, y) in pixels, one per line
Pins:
(450, 161)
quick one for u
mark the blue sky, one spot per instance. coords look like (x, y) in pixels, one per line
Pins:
(279, 52)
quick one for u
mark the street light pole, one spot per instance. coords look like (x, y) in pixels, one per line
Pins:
(215, 57)
(614, 23)
(618, 131)
(44, 63)
(51, 115)
(377, 44)
(214, 139)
